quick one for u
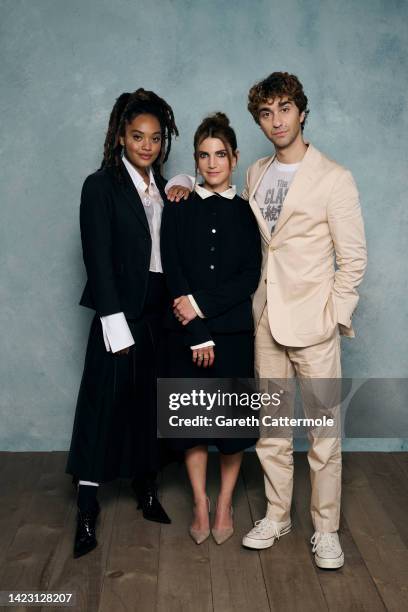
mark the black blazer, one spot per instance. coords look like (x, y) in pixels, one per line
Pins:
(116, 243)
(211, 249)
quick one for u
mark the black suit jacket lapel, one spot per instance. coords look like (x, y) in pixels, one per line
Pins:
(133, 199)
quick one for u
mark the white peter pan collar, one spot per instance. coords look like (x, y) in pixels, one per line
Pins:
(229, 193)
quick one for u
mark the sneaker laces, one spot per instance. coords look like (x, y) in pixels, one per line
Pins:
(325, 540)
(264, 526)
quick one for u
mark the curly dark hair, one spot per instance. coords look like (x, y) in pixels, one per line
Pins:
(126, 108)
(277, 84)
(216, 125)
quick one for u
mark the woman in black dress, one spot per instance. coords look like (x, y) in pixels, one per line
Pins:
(211, 258)
(114, 433)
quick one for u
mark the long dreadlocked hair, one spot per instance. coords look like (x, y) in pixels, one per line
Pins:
(126, 108)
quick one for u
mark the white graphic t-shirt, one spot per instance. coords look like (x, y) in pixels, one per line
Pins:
(272, 190)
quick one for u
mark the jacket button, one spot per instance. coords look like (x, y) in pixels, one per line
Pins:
(214, 231)
(265, 281)
(212, 267)
(212, 248)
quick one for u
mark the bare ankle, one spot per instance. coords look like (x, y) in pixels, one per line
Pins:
(224, 500)
(200, 500)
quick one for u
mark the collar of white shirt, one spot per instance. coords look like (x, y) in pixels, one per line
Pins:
(137, 179)
(229, 193)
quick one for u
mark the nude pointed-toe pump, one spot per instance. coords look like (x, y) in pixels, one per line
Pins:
(200, 535)
(222, 535)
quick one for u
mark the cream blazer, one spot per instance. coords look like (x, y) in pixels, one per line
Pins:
(316, 257)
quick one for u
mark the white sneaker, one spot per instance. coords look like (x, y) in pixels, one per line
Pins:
(265, 532)
(327, 550)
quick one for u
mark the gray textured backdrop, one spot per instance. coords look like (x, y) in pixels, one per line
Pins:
(63, 63)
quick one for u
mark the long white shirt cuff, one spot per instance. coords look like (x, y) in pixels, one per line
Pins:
(184, 180)
(203, 345)
(195, 306)
(116, 332)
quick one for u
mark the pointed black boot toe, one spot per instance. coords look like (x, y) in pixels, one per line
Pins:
(85, 536)
(148, 502)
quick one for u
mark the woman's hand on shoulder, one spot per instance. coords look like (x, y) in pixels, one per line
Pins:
(177, 193)
(204, 357)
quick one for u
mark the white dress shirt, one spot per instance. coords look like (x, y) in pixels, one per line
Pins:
(153, 207)
(116, 332)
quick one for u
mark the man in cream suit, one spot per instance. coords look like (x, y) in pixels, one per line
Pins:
(308, 212)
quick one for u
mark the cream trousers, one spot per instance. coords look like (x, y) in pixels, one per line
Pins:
(274, 361)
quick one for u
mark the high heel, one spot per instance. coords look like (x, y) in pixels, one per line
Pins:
(222, 535)
(200, 535)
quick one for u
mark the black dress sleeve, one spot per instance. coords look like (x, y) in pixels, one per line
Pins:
(96, 237)
(215, 301)
(196, 331)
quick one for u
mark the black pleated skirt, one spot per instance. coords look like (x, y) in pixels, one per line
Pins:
(115, 427)
(234, 358)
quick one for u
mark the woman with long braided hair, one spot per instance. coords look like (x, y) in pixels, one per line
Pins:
(114, 433)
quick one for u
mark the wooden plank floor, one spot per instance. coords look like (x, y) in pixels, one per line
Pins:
(145, 567)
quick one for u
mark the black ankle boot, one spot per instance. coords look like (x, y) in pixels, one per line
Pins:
(146, 495)
(85, 536)
(88, 510)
